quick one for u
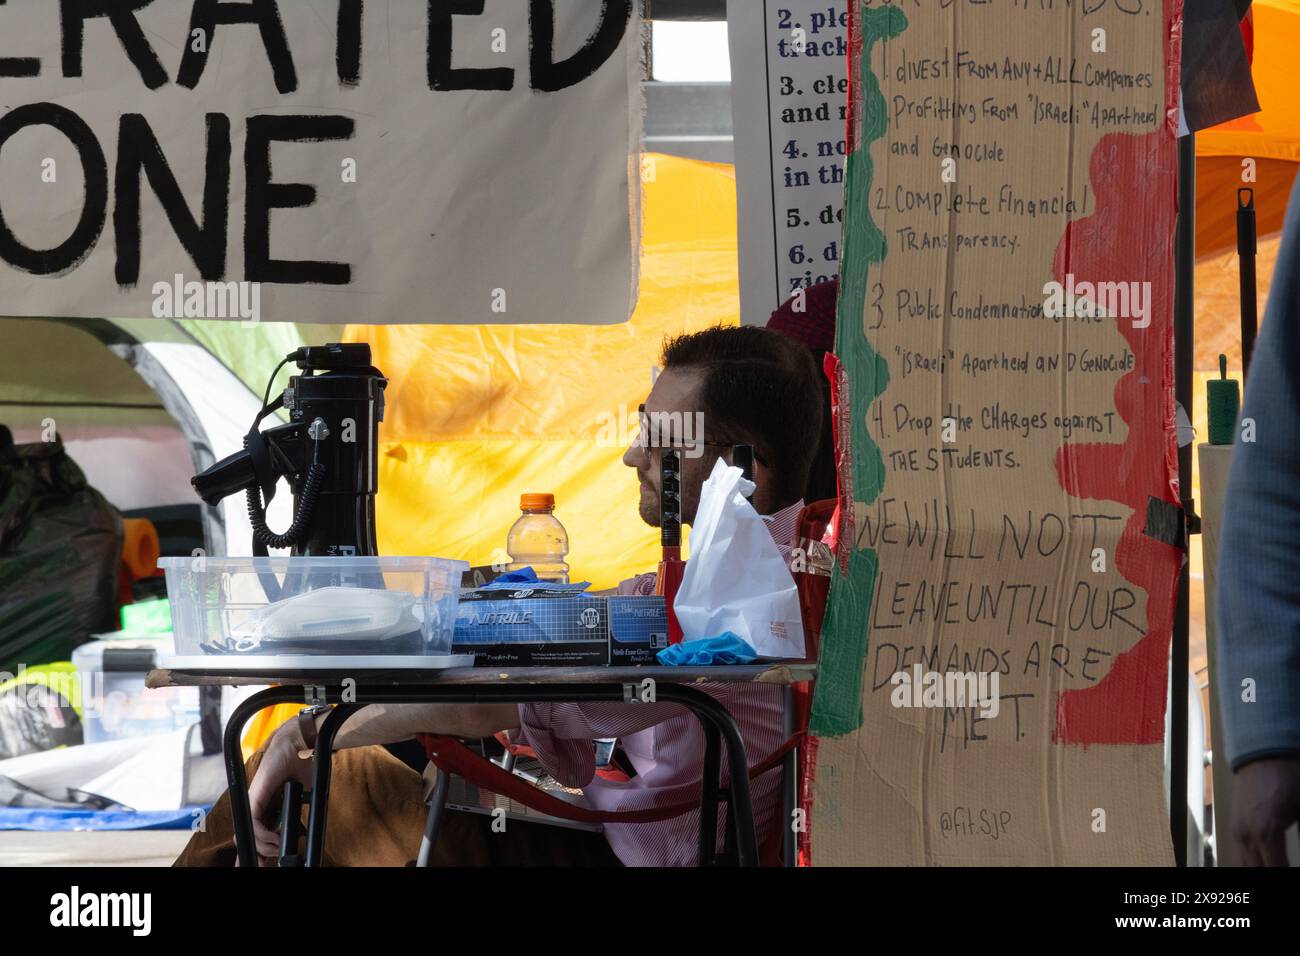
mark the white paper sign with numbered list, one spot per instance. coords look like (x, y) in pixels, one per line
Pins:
(789, 101)
(320, 160)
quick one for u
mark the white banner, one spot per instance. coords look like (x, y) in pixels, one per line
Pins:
(320, 160)
(789, 93)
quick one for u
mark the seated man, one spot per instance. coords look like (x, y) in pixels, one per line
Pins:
(747, 385)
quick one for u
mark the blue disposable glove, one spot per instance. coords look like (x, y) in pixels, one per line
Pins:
(726, 648)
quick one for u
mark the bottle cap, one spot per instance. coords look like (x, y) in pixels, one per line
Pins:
(536, 502)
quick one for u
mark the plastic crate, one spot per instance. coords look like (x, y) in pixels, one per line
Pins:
(287, 612)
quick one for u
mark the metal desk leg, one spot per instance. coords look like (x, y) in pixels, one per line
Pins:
(790, 800)
(320, 781)
(433, 823)
(789, 784)
(236, 774)
(742, 804)
(716, 721)
(709, 796)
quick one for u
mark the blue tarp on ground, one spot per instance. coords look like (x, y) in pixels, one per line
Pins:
(40, 818)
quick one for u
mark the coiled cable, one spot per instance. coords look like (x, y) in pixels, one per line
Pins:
(301, 519)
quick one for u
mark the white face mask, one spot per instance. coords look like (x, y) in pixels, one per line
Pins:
(331, 613)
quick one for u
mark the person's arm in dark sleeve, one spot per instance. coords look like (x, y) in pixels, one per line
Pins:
(1257, 652)
(1259, 558)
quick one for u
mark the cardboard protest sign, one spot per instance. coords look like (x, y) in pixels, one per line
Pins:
(994, 661)
(405, 162)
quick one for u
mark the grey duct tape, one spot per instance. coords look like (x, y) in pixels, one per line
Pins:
(1165, 522)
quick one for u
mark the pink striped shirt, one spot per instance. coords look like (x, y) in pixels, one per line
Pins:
(665, 744)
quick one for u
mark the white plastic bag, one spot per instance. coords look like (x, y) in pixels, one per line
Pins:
(736, 579)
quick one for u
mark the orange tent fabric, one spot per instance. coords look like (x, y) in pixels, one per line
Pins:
(1274, 132)
(1271, 137)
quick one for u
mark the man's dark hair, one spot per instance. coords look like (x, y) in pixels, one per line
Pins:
(759, 388)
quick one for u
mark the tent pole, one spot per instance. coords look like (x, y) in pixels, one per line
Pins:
(1184, 264)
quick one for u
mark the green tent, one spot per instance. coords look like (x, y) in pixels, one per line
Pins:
(142, 404)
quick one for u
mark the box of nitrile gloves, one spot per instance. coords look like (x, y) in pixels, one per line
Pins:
(638, 629)
(528, 625)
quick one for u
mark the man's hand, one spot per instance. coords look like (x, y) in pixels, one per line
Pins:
(1265, 802)
(280, 764)
(372, 724)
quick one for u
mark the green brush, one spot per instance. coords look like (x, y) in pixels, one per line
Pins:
(1223, 401)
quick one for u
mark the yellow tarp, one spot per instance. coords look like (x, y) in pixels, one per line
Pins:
(478, 415)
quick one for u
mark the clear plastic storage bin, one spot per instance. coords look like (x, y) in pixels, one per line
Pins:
(245, 613)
